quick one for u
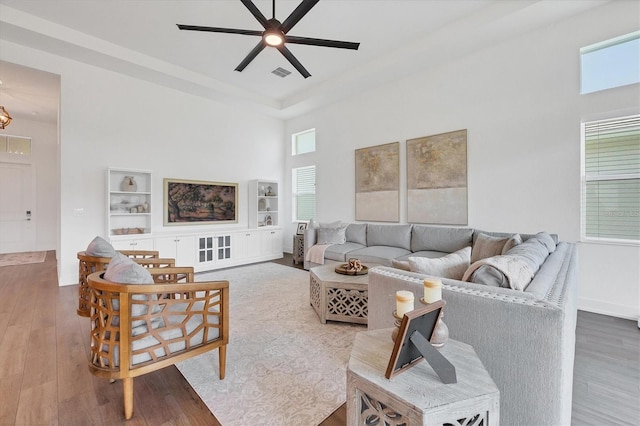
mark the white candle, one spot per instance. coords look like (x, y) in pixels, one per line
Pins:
(432, 290)
(404, 302)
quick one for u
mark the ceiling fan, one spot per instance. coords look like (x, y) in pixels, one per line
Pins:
(275, 34)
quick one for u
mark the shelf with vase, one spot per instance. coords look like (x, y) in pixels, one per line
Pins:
(129, 201)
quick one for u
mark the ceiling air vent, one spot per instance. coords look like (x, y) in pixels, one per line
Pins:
(281, 72)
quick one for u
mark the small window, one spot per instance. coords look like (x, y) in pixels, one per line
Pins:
(303, 142)
(15, 145)
(304, 193)
(611, 179)
(612, 63)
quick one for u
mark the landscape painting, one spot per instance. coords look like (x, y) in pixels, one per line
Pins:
(199, 202)
(378, 183)
(437, 179)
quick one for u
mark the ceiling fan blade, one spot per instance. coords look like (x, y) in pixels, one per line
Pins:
(251, 56)
(292, 59)
(219, 30)
(322, 42)
(297, 14)
(256, 13)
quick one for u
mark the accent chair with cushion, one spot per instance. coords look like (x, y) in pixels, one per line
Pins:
(96, 258)
(138, 326)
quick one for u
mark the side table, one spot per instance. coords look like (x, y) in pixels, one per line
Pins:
(417, 396)
(298, 249)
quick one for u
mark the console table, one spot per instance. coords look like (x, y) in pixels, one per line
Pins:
(298, 249)
(417, 396)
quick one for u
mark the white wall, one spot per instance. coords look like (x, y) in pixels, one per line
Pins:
(44, 138)
(111, 120)
(521, 105)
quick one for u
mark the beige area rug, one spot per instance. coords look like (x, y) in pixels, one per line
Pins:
(12, 259)
(283, 366)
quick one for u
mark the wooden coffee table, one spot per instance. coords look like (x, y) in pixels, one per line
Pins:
(338, 297)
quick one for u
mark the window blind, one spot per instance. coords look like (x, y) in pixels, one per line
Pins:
(611, 201)
(305, 192)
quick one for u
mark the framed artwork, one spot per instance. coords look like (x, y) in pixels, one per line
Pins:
(412, 343)
(437, 179)
(189, 202)
(378, 183)
(302, 226)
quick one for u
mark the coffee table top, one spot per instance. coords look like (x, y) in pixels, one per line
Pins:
(327, 273)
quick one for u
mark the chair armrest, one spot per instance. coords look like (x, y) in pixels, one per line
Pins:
(140, 254)
(155, 262)
(174, 274)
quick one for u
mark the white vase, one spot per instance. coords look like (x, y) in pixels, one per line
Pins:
(129, 184)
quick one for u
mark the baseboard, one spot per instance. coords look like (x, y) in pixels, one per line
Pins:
(611, 309)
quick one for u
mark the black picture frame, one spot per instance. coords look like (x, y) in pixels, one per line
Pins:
(405, 354)
(302, 226)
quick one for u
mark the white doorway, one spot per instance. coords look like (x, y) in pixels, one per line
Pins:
(17, 204)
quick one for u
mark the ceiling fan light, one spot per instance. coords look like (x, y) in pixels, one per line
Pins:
(5, 118)
(273, 38)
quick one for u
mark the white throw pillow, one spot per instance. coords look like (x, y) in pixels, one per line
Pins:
(452, 265)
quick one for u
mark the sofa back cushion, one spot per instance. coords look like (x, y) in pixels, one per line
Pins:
(432, 238)
(452, 265)
(389, 235)
(357, 233)
(332, 235)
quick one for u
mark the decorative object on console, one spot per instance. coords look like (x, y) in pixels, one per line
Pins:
(378, 183)
(302, 226)
(189, 201)
(128, 184)
(411, 342)
(437, 179)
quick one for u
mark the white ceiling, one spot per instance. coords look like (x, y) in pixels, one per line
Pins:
(140, 38)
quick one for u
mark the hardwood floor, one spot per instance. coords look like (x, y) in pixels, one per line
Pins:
(44, 377)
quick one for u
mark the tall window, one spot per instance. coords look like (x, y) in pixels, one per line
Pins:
(611, 63)
(611, 179)
(303, 142)
(304, 193)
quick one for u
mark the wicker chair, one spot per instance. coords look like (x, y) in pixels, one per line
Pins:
(146, 330)
(90, 264)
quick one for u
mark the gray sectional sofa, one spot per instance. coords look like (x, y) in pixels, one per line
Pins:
(525, 338)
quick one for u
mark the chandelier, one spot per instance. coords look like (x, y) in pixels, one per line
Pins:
(5, 118)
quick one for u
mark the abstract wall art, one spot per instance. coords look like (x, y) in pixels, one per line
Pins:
(378, 183)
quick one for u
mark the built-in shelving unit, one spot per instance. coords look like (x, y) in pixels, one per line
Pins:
(263, 203)
(128, 202)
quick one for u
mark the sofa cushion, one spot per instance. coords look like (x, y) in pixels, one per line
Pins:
(331, 235)
(339, 252)
(425, 253)
(452, 265)
(389, 235)
(380, 255)
(99, 247)
(513, 241)
(401, 264)
(433, 238)
(509, 271)
(357, 233)
(535, 250)
(487, 246)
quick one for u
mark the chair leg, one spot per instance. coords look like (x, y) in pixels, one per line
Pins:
(222, 355)
(127, 385)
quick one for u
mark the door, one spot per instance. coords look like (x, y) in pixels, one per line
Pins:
(17, 216)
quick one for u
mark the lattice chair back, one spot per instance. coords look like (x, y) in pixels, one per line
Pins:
(139, 328)
(88, 264)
